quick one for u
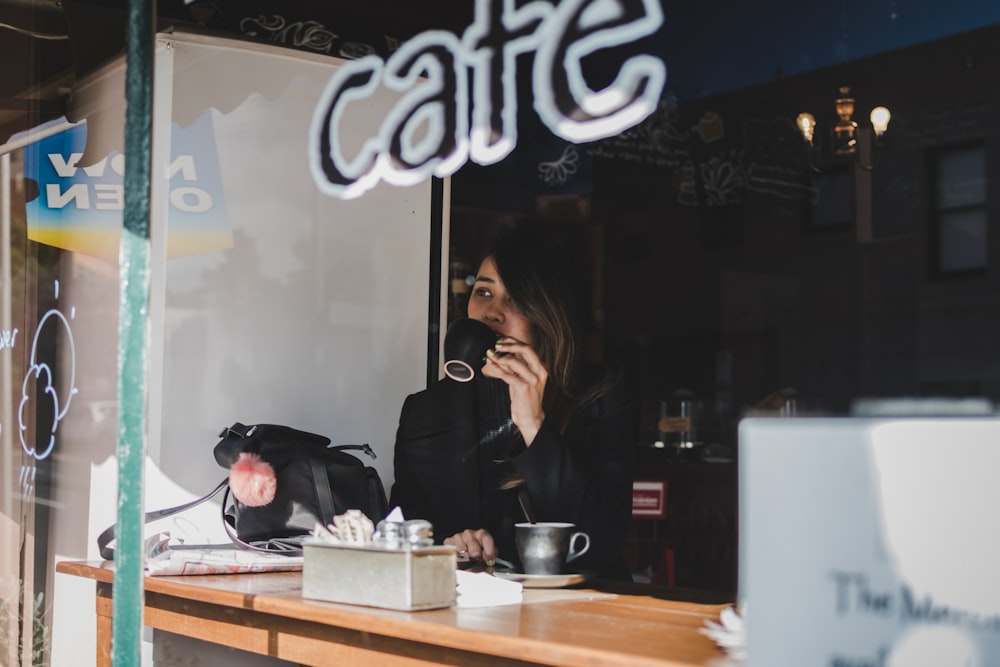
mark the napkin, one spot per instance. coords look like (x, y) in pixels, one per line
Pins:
(730, 633)
(481, 589)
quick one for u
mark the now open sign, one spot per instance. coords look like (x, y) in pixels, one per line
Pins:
(81, 207)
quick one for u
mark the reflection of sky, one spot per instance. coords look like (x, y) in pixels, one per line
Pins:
(712, 47)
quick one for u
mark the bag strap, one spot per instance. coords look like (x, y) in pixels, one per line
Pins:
(288, 546)
(108, 536)
(239, 429)
(366, 448)
(323, 493)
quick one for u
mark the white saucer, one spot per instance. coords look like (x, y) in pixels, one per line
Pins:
(543, 580)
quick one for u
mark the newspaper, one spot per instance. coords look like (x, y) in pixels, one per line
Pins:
(166, 556)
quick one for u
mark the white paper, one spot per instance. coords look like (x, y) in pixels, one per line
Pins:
(481, 589)
(163, 557)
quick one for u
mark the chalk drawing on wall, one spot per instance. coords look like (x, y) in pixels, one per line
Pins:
(308, 34)
(710, 127)
(557, 172)
(722, 179)
(767, 159)
(687, 191)
(311, 35)
(773, 159)
(657, 141)
(717, 160)
(42, 402)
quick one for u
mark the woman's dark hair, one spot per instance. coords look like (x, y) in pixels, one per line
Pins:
(537, 275)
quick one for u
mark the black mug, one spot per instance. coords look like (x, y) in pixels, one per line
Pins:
(465, 346)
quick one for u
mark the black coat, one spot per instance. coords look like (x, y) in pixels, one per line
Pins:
(583, 476)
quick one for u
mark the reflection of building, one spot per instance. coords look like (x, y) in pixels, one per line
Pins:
(730, 267)
(844, 284)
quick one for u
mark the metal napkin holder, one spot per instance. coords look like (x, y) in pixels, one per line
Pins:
(390, 575)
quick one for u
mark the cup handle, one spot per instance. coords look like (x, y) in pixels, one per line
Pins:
(573, 553)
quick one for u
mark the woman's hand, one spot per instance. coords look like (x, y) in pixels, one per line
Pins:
(518, 365)
(476, 544)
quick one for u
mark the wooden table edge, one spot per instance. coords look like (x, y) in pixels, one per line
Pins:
(387, 623)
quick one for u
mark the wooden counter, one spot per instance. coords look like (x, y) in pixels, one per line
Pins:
(265, 613)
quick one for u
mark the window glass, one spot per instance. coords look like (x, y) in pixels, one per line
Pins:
(963, 240)
(723, 256)
(960, 179)
(960, 210)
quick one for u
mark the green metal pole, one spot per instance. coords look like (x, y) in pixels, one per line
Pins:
(133, 334)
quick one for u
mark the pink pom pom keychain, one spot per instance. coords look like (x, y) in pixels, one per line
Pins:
(252, 480)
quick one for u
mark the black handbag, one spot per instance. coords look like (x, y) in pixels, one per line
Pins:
(312, 482)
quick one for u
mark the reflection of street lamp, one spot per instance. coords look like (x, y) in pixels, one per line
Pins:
(843, 135)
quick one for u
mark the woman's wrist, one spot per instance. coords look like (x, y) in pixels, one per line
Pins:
(530, 430)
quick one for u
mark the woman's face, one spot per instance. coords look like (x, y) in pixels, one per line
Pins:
(491, 304)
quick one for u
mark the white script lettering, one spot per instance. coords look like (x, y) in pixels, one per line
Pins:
(427, 131)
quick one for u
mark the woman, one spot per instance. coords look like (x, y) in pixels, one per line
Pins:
(536, 432)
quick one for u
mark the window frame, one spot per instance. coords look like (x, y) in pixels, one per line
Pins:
(937, 212)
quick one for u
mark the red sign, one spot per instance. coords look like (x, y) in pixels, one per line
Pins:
(649, 499)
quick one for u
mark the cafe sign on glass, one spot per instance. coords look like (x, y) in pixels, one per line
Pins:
(458, 95)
